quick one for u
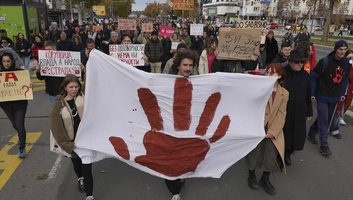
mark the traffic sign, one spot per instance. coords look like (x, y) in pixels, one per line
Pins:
(265, 2)
(171, 4)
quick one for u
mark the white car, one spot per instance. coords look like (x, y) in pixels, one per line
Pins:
(287, 27)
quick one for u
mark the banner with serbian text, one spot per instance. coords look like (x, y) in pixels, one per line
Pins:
(15, 85)
(253, 24)
(59, 63)
(126, 24)
(97, 28)
(166, 31)
(167, 125)
(128, 53)
(183, 4)
(238, 44)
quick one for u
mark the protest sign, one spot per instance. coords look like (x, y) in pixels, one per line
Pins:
(250, 24)
(253, 24)
(183, 5)
(238, 44)
(147, 27)
(164, 30)
(196, 29)
(148, 120)
(128, 53)
(99, 10)
(126, 24)
(174, 45)
(15, 85)
(97, 28)
(59, 63)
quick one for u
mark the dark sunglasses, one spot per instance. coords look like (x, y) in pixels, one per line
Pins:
(297, 62)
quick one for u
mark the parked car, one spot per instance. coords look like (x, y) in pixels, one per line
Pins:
(318, 28)
(272, 26)
(287, 27)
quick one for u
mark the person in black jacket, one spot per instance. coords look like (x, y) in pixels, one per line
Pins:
(271, 47)
(167, 46)
(64, 44)
(77, 43)
(283, 55)
(52, 84)
(14, 110)
(23, 46)
(154, 52)
(299, 105)
(197, 44)
(54, 33)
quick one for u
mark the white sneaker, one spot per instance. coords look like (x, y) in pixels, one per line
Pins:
(342, 122)
(177, 197)
(89, 198)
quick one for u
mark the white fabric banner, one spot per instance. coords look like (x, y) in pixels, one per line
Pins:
(167, 125)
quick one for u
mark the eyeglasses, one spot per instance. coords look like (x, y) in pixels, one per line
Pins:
(268, 73)
(3, 42)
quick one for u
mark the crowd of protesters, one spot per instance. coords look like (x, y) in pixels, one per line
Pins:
(301, 80)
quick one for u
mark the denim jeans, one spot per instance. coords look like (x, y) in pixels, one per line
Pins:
(26, 62)
(52, 98)
(335, 125)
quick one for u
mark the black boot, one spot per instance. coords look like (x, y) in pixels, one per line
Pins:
(252, 182)
(266, 184)
(287, 159)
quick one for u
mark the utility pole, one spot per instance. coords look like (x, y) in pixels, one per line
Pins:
(72, 16)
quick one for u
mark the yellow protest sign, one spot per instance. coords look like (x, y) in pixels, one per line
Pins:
(238, 44)
(15, 85)
(99, 10)
(183, 5)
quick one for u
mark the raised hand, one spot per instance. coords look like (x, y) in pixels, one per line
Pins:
(166, 154)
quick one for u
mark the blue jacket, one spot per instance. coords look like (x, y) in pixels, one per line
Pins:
(64, 46)
(330, 84)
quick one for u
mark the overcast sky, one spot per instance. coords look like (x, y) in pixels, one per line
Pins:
(141, 4)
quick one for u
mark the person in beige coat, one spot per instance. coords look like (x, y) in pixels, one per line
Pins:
(65, 117)
(269, 153)
(207, 56)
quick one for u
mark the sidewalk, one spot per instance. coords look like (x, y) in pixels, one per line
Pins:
(317, 36)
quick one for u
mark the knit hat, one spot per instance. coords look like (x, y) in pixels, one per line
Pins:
(182, 45)
(154, 33)
(269, 32)
(340, 43)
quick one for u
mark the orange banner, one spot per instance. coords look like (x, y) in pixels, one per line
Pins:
(183, 5)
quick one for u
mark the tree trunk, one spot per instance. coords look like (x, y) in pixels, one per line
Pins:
(79, 10)
(328, 21)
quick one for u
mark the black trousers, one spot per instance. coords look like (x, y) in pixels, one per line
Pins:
(174, 186)
(85, 171)
(17, 118)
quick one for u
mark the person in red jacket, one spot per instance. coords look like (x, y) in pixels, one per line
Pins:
(38, 45)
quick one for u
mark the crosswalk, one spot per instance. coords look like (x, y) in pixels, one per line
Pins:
(38, 85)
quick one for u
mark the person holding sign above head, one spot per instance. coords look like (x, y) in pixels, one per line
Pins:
(65, 117)
(154, 52)
(52, 84)
(175, 39)
(14, 110)
(269, 153)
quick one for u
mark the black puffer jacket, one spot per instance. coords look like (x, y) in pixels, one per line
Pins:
(23, 45)
(154, 50)
(12, 105)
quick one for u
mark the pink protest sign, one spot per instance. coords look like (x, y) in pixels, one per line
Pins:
(164, 30)
(127, 24)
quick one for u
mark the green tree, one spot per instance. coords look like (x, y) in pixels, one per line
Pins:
(80, 6)
(121, 8)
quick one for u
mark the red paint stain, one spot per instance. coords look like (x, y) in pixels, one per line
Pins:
(120, 147)
(182, 104)
(208, 113)
(172, 156)
(150, 105)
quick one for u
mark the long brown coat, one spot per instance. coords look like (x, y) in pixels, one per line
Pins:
(275, 116)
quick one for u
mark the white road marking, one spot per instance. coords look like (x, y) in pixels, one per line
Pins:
(55, 168)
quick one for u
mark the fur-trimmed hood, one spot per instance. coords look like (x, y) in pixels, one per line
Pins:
(17, 60)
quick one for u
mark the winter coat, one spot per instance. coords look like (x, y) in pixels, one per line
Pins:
(167, 45)
(197, 45)
(64, 45)
(186, 39)
(299, 107)
(54, 35)
(78, 47)
(154, 50)
(23, 45)
(52, 84)
(203, 63)
(330, 84)
(288, 38)
(62, 122)
(230, 66)
(279, 59)
(17, 65)
(271, 49)
(312, 58)
(36, 49)
(349, 94)
(275, 115)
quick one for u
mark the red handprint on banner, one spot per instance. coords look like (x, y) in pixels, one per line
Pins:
(166, 154)
(339, 75)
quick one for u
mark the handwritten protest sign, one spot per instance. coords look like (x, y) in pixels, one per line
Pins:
(164, 30)
(175, 45)
(97, 28)
(127, 24)
(128, 53)
(196, 29)
(253, 24)
(238, 44)
(183, 5)
(59, 63)
(15, 85)
(147, 27)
